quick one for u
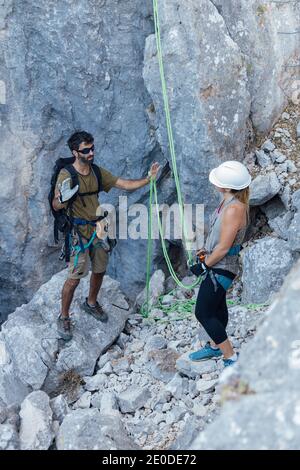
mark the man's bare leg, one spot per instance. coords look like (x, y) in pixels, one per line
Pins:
(95, 286)
(67, 295)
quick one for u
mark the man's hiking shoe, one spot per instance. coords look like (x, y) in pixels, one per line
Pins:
(64, 328)
(205, 353)
(97, 312)
(229, 362)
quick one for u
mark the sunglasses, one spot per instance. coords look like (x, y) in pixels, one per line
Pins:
(87, 150)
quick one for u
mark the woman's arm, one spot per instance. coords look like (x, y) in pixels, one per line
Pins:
(232, 219)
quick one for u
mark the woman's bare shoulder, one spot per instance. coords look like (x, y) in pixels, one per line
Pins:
(235, 208)
(236, 214)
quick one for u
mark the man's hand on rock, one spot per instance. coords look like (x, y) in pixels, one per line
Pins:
(155, 167)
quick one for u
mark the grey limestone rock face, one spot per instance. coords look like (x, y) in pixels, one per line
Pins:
(65, 67)
(256, 28)
(207, 88)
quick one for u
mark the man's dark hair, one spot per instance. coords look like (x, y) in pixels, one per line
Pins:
(77, 138)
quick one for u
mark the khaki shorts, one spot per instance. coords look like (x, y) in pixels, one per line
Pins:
(96, 254)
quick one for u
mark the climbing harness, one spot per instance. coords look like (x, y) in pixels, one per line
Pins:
(82, 247)
(107, 244)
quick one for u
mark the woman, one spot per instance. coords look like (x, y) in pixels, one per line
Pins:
(220, 258)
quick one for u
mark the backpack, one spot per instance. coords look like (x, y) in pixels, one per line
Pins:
(62, 219)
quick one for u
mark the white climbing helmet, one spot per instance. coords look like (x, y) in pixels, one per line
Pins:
(231, 175)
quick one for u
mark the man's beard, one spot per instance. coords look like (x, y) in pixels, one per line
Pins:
(85, 161)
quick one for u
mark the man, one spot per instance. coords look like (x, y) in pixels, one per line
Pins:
(84, 209)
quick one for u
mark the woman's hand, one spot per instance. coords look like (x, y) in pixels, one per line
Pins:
(201, 253)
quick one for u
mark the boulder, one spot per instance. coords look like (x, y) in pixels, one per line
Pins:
(155, 342)
(265, 265)
(36, 431)
(178, 386)
(156, 289)
(273, 208)
(162, 364)
(9, 439)
(268, 146)
(105, 432)
(133, 398)
(59, 407)
(281, 225)
(12, 389)
(32, 355)
(263, 188)
(107, 404)
(263, 158)
(194, 369)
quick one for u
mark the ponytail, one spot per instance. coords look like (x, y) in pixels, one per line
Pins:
(243, 195)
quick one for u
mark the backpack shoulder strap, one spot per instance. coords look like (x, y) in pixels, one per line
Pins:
(98, 174)
(73, 173)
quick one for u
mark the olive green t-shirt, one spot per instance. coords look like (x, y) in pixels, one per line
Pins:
(88, 183)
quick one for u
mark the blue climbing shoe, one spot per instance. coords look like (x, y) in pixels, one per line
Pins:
(230, 362)
(205, 353)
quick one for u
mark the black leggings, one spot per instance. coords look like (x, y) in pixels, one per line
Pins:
(211, 308)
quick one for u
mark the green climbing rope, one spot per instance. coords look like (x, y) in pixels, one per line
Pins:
(145, 309)
(185, 308)
(164, 248)
(146, 306)
(169, 126)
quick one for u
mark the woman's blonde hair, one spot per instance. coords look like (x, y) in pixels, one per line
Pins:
(243, 195)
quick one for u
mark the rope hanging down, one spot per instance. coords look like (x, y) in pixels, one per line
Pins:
(153, 188)
(145, 309)
(169, 126)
